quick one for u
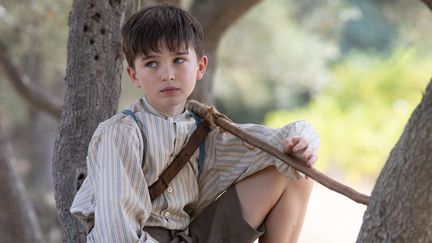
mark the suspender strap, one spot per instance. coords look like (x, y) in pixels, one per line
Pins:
(180, 160)
(132, 114)
(201, 154)
(196, 139)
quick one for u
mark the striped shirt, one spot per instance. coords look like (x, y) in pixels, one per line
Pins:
(115, 191)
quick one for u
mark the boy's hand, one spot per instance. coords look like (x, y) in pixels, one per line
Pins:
(300, 148)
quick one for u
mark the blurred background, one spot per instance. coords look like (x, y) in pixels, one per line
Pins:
(355, 69)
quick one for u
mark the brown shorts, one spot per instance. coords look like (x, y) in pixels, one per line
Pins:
(221, 221)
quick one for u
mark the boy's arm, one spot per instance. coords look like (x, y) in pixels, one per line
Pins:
(122, 202)
(298, 138)
(228, 160)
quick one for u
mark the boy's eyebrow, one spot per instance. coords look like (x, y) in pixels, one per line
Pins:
(182, 53)
(147, 57)
(176, 53)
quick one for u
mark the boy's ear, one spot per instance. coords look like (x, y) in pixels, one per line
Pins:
(202, 65)
(132, 75)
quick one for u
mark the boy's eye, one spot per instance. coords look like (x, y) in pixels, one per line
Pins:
(151, 64)
(179, 60)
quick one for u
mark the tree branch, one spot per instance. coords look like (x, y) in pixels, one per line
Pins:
(216, 16)
(214, 117)
(6, 18)
(35, 96)
(428, 3)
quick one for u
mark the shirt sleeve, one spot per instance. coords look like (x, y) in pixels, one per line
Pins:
(229, 160)
(122, 201)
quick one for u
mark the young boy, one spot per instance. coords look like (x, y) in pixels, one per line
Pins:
(261, 196)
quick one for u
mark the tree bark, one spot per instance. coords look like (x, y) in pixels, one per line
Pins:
(215, 18)
(93, 74)
(18, 222)
(400, 206)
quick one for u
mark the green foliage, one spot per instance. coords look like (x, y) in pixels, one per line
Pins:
(361, 114)
(277, 55)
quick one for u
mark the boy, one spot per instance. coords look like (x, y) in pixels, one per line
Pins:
(164, 50)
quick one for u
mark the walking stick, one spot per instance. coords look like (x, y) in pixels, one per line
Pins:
(216, 118)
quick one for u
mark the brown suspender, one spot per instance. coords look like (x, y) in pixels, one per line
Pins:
(180, 160)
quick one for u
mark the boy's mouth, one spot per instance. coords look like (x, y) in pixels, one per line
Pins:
(169, 90)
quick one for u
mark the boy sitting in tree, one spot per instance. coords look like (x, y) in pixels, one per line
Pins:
(237, 194)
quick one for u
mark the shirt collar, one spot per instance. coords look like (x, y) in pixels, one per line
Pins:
(147, 107)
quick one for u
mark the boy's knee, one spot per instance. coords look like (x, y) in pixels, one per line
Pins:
(299, 186)
(276, 176)
(299, 190)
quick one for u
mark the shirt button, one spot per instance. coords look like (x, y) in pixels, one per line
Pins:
(169, 189)
(166, 214)
(181, 131)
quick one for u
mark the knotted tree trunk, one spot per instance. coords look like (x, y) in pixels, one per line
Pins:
(93, 74)
(400, 208)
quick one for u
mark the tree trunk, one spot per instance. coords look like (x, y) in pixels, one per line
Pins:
(215, 18)
(93, 74)
(18, 222)
(428, 3)
(400, 206)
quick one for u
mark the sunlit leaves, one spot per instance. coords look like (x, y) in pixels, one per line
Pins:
(363, 111)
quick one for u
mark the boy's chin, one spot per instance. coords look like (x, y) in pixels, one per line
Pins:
(175, 104)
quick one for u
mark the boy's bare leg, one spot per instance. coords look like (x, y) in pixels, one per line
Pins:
(279, 202)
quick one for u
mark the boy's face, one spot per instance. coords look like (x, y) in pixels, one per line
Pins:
(168, 78)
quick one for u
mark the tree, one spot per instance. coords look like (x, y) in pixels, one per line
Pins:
(23, 225)
(215, 17)
(428, 3)
(32, 93)
(399, 208)
(93, 73)
(24, 63)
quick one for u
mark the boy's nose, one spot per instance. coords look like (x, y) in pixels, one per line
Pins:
(168, 74)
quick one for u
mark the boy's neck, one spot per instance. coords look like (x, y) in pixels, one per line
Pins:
(174, 111)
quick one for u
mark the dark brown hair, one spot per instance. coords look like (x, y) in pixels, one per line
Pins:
(150, 28)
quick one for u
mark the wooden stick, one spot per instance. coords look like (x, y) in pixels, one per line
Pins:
(217, 118)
